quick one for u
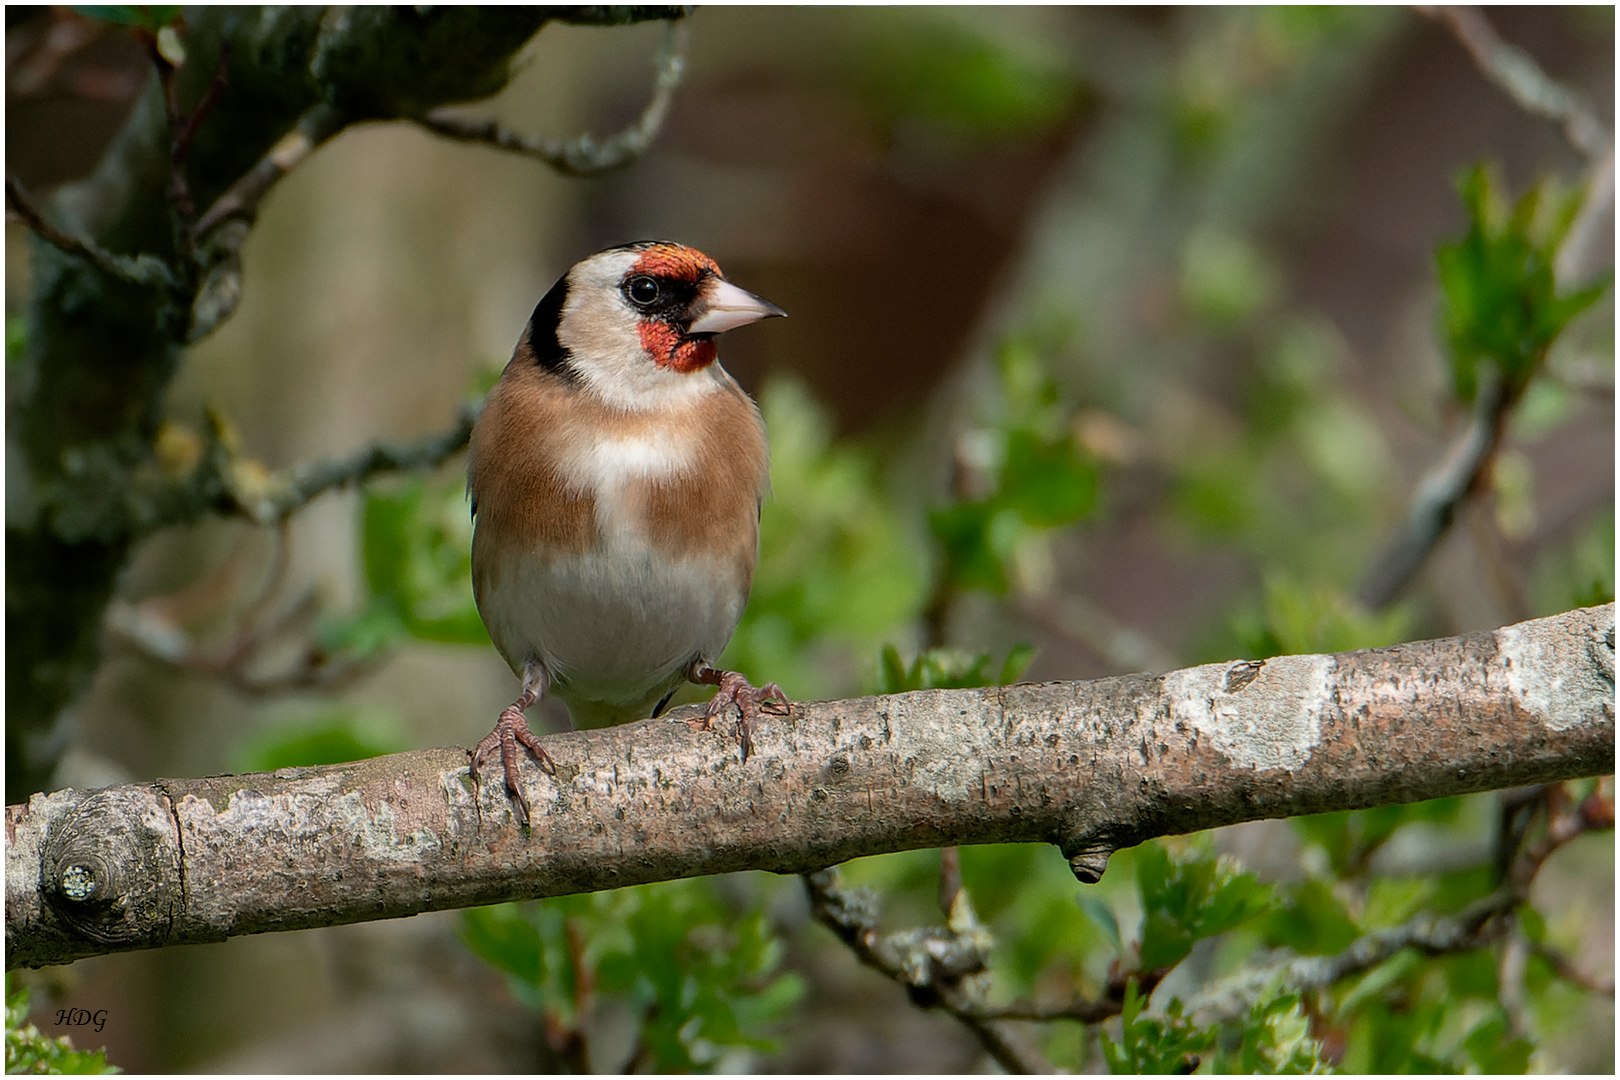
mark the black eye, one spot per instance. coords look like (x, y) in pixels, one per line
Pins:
(642, 290)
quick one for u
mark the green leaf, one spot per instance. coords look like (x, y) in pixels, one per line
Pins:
(30, 1051)
(1275, 1040)
(1019, 657)
(1097, 909)
(973, 77)
(146, 16)
(1225, 279)
(1494, 1051)
(1502, 305)
(1190, 897)
(702, 978)
(1300, 618)
(975, 551)
(416, 550)
(1150, 1044)
(948, 669)
(1047, 481)
(16, 339)
(1311, 920)
(336, 735)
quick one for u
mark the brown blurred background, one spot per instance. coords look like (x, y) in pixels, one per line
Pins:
(392, 268)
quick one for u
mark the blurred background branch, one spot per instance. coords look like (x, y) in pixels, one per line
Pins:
(583, 155)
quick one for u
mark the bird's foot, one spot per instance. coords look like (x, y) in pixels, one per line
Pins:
(735, 689)
(510, 730)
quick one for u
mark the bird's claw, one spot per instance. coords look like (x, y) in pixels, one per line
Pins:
(735, 689)
(510, 730)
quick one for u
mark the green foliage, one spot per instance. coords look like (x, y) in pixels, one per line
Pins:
(1350, 838)
(1412, 1015)
(1188, 897)
(702, 979)
(837, 571)
(1502, 303)
(1037, 478)
(1299, 619)
(973, 77)
(30, 1052)
(1166, 1044)
(16, 339)
(335, 734)
(949, 669)
(1294, 476)
(416, 549)
(1581, 574)
(1275, 1041)
(151, 17)
(1225, 280)
(1310, 919)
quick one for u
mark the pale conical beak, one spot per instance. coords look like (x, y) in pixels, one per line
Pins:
(726, 307)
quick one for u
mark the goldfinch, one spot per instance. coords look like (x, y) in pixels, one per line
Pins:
(616, 475)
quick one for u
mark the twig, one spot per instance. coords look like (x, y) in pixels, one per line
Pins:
(1518, 75)
(583, 155)
(1580, 243)
(1231, 998)
(205, 105)
(152, 635)
(932, 964)
(269, 500)
(1521, 78)
(179, 192)
(1085, 1010)
(1479, 924)
(1565, 969)
(1486, 533)
(1082, 620)
(318, 123)
(1511, 964)
(142, 270)
(1434, 504)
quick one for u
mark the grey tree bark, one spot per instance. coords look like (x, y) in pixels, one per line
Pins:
(1089, 766)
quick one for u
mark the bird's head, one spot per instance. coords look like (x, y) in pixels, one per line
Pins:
(634, 323)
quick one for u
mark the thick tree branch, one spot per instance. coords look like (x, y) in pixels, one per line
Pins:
(582, 155)
(1091, 767)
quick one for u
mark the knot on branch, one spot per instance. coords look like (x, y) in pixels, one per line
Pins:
(111, 873)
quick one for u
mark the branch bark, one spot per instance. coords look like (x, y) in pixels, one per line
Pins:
(1089, 766)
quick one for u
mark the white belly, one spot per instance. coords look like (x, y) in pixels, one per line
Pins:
(615, 625)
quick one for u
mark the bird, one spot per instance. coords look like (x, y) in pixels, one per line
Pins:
(617, 474)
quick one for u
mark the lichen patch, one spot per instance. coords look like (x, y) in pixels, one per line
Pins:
(1271, 720)
(1564, 678)
(947, 750)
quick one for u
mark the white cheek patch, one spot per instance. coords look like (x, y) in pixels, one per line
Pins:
(1272, 722)
(1551, 672)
